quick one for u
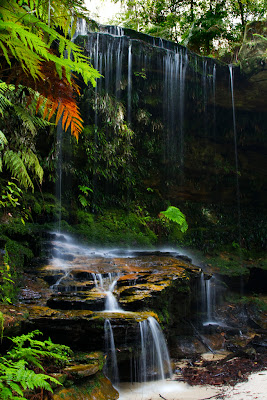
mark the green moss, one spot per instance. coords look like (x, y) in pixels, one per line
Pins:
(114, 227)
(228, 265)
(258, 301)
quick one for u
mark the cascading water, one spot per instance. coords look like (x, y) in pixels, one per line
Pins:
(111, 303)
(154, 361)
(129, 90)
(236, 155)
(124, 69)
(111, 366)
(175, 65)
(208, 299)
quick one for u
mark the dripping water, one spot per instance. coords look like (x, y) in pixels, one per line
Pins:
(59, 172)
(129, 90)
(111, 366)
(237, 174)
(214, 99)
(183, 67)
(236, 156)
(174, 73)
(208, 299)
(154, 362)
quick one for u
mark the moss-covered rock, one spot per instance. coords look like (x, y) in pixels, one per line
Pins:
(96, 388)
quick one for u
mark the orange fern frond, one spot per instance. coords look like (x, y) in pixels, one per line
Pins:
(52, 110)
(59, 112)
(56, 96)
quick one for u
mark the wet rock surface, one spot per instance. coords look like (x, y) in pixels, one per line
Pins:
(97, 388)
(67, 298)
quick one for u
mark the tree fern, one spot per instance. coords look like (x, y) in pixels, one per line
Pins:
(25, 43)
(22, 35)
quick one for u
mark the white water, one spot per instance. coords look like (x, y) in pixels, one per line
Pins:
(154, 362)
(129, 87)
(208, 300)
(152, 358)
(111, 303)
(236, 154)
(111, 366)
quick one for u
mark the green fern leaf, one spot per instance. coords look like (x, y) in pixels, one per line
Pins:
(17, 168)
(3, 140)
(174, 214)
(15, 387)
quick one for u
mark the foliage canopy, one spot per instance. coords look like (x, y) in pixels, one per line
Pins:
(203, 26)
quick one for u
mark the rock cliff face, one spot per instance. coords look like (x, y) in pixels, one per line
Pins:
(190, 124)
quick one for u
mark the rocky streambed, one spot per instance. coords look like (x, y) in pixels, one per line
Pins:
(99, 301)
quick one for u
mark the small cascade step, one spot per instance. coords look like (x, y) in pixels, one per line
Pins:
(108, 293)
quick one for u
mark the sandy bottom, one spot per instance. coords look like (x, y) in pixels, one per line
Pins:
(255, 388)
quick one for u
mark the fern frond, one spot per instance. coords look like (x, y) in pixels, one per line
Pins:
(15, 388)
(68, 110)
(174, 214)
(5, 89)
(26, 119)
(17, 168)
(3, 140)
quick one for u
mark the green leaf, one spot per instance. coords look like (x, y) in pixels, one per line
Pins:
(174, 214)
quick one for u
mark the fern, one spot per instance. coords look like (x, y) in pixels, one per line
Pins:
(31, 161)
(174, 214)
(20, 38)
(26, 119)
(17, 168)
(32, 350)
(15, 377)
(3, 141)
(16, 374)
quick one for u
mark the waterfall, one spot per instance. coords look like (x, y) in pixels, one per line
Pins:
(125, 65)
(174, 70)
(208, 299)
(81, 28)
(129, 90)
(154, 361)
(111, 303)
(59, 171)
(236, 155)
(111, 366)
(214, 99)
